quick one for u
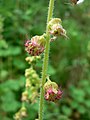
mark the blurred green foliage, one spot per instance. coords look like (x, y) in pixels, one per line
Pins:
(69, 59)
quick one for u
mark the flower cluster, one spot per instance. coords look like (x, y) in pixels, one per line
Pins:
(32, 59)
(21, 113)
(56, 28)
(52, 91)
(35, 46)
(32, 85)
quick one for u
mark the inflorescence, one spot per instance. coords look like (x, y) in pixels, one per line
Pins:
(35, 47)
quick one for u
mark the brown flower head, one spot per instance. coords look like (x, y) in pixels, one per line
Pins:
(35, 46)
(52, 91)
(56, 28)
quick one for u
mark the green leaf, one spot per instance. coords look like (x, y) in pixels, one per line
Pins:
(74, 104)
(51, 70)
(66, 110)
(10, 106)
(12, 84)
(81, 109)
(10, 51)
(63, 117)
(87, 89)
(4, 74)
(19, 64)
(87, 103)
(77, 94)
(9, 103)
(84, 83)
(3, 44)
(63, 64)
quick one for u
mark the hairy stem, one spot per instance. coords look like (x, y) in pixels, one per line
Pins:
(45, 60)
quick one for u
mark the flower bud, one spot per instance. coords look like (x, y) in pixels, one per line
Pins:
(52, 92)
(17, 116)
(25, 96)
(23, 112)
(55, 21)
(29, 72)
(35, 46)
(32, 97)
(31, 59)
(28, 84)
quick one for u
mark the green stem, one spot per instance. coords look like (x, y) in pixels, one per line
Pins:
(45, 60)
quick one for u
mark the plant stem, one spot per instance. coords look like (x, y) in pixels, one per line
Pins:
(45, 60)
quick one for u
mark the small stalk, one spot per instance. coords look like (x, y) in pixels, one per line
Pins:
(45, 60)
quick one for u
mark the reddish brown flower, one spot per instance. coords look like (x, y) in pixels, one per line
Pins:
(52, 92)
(56, 28)
(52, 95)
(35, 46)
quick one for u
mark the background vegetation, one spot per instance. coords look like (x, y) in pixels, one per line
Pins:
(69, 59)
